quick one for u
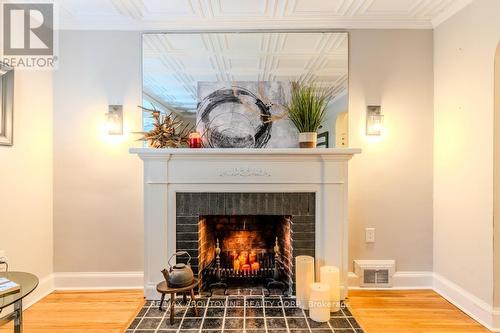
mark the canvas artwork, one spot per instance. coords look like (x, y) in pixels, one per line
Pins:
(245, 115)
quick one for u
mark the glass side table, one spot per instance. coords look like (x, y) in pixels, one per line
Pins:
(28, 282)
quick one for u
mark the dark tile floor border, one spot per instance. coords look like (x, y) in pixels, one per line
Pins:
(240, 314)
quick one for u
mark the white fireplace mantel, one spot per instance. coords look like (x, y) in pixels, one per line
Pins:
(168, 171)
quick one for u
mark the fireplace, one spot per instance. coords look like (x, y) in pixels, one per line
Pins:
(310, 185)
(245, 250)
(242, 239)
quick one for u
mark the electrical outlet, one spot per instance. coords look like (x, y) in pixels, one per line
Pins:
(370, 235)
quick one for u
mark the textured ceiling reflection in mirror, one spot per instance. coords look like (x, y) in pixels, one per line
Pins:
(175, 63)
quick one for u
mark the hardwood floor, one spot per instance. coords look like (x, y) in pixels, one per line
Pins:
(82, 312)
(417, 311)
(421, 311)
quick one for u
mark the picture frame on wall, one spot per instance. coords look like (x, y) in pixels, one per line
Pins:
(6, 105)
(322, 140)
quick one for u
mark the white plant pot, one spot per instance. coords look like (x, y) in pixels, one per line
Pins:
(308, 139)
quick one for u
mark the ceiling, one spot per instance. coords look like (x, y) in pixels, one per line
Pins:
(248, 14)
(174, 64)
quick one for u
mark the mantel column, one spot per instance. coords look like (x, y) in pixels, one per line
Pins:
(155, 221)
(334, 227)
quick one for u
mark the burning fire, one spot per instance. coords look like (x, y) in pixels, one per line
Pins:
(245, 261)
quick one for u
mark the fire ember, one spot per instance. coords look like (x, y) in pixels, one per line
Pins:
(244, 250)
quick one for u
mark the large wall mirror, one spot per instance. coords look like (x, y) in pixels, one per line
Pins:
(199, 76)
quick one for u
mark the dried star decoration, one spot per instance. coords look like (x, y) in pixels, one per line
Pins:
(168, 131)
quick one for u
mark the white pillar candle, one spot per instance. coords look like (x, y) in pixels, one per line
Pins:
(304, 276)
(330, 275)
(319, 302)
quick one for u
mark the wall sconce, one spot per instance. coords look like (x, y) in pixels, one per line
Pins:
(374, 120)
(114, 120)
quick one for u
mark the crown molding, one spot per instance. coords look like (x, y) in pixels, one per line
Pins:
(450, 11)
(312, 22)
(130, 15)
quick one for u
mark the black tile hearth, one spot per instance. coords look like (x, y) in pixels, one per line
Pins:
(234, 324)
(274, 312)
(340, 323)
(253, 312)
(149, 323)
(233, 314)
(254, 323)
(276, 323)
(213, 323)
(191, 323)
(293, 312)
(235, 302)
(215, 312)
(314, 325)
(296, 323)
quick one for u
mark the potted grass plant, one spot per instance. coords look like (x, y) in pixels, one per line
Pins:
(307, 110)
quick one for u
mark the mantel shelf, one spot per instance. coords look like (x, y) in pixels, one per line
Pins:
(246, 151)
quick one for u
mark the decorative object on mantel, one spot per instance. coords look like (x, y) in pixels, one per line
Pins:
(168, 131)
(307, 110)
(178, 275)
(245, 115)
(330, 275)
(195, 140)
(323, 140)
(304, 276)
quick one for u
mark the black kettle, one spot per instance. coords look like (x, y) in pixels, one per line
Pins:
(179, 275)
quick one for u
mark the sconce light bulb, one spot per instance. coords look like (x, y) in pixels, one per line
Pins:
(114, 120)
(374, 121)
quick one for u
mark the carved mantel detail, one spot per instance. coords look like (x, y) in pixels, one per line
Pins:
(245, 172)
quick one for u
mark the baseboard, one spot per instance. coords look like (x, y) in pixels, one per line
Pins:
(150, 292)
(98, 280)
(44, 288)
(496, 320)
(401, 280)
(476, 308)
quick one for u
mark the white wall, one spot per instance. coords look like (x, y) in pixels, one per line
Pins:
(26, 180)
(390, 183)
(464, 51)
(97, 183)
(496, 176)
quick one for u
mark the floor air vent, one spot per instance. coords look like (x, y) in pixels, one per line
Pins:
(375, 273)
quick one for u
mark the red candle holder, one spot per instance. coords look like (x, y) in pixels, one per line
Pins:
(194, 140)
